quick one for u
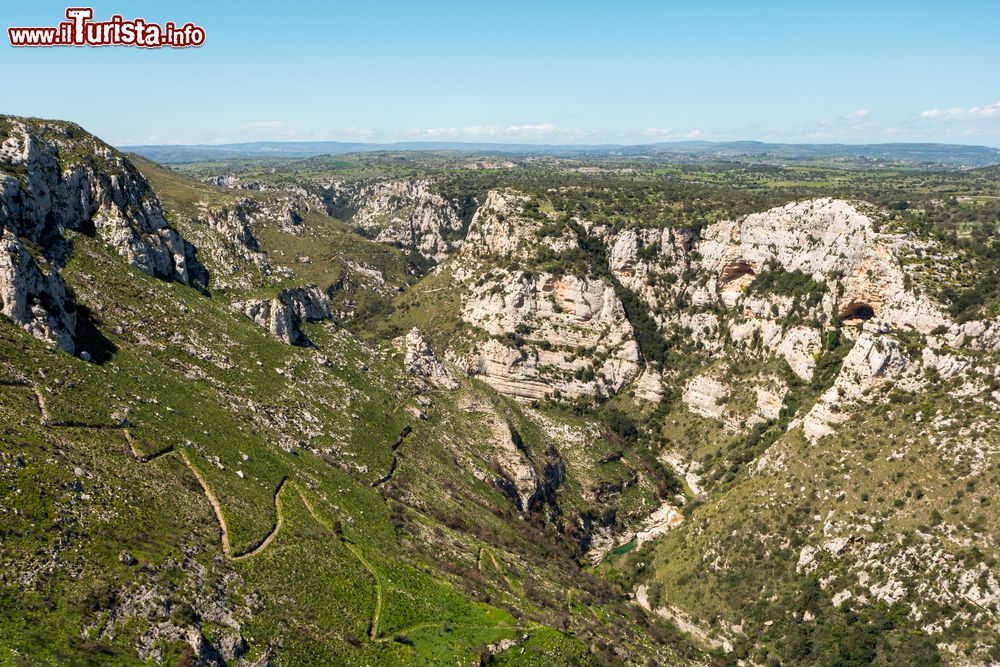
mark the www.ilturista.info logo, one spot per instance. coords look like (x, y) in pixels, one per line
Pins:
(79, 30)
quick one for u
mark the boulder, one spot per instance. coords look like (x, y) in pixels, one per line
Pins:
(421, 362)
(282, 314)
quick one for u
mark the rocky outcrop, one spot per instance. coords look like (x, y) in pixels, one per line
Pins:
(570, 335)
(500, 229)
(34, 300)
(705, 396)
(406, 213)
(421, 362)
(876, 358)
(558, 334)
(649, 386)
(510, 469)
(282, 314)
(233, 251)
(771, 392)
(651, 263)
(229, 181)
(55, 178)
(60, 178)
(158, 606)
(283, 209)
(830, 240)
(233, 223)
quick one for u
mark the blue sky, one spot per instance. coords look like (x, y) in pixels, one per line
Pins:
(553, 72)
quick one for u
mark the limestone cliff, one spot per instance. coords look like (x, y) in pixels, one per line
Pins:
(557, 334)
(406, 213)
(34, 299)
(705, 282)
(283, 314)
(55, 180)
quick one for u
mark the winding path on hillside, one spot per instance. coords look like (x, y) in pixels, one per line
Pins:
(46, 422)
(407, 430)
(377, 613)
(488, 552)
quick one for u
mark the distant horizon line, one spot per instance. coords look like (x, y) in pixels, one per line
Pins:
(672, 142)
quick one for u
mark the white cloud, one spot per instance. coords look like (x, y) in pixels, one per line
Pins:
(543, 128)
(358, 132)
(963, 113)
(668, 134)
(860, 114)
(529, 131)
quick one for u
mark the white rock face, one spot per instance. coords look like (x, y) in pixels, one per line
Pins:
(705, 396)
(832, 241)
(822, 238)
(577, 338)
(55, 177)
(103, 189)
(549, 333)
(545, 328)
(406, 213)
(234, 248)
(665, 517)
(649, 386)
(283, 314)
(799, 347)
(233, 223)
(500, 229)
(875, 358)
(421, 362)
(32, 299)
(770, 397)
(651, 262)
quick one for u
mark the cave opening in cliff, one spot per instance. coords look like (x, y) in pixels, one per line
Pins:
(736, 274)
(858, 312)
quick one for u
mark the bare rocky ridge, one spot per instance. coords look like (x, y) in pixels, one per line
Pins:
(405, 213)
(234, 223)
(514, 475)
(59, 179)
(102, 190)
